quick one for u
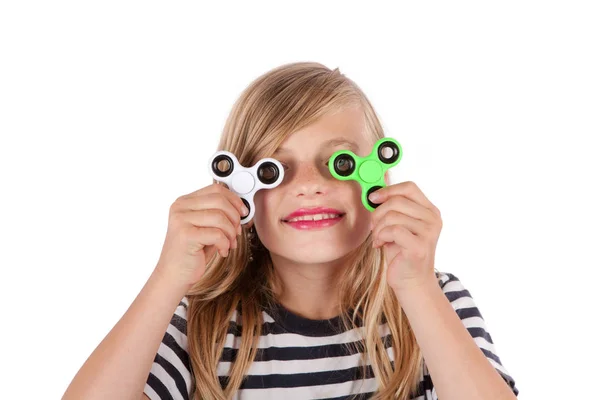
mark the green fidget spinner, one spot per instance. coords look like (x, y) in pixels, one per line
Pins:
(368, 171)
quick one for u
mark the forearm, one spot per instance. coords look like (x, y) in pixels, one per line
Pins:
(458, 368)
(119, 366)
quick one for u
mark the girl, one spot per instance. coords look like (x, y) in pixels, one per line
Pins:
(316, 298)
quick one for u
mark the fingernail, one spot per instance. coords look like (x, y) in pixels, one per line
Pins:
(374, 196)
(244, 211)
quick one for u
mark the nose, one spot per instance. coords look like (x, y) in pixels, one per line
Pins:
(308, 180)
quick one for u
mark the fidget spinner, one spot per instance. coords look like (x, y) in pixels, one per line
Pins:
(368, 171)
(267, 173)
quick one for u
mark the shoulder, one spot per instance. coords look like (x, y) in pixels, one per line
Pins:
(452, 286)
(472, 319)
(459, 297)
(445, 277)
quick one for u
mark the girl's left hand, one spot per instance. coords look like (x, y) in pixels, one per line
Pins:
(408, 226)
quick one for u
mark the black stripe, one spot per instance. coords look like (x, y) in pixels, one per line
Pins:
(273, 328)
(425, 384)
(302, 353)
(181, 303)
(179, 323)
(509, 381)
(469, 312)
(491, 355)
(302, 379)
(235, 329)
(160, 389)
(173, 373)
(457, 295)
(319, 379)
(480, 332)
(171, 343)
(362, 396)
(293, 323)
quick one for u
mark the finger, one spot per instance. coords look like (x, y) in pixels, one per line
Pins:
(212, 201)
(205, 237)
(233, 198)
(403, 205)
(415, 226)
(408, 189)
(212, 218)
(397, 234)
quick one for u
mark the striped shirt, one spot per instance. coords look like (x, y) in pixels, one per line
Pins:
(300, 358)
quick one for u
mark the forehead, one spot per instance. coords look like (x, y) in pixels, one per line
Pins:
(345, 128)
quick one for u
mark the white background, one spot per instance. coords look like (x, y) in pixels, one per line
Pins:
(109, 112)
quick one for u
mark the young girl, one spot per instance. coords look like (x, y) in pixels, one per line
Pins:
(315, 298)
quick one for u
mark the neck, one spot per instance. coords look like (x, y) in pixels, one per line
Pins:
(308, 290)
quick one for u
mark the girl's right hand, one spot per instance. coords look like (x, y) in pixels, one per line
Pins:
(200, 223)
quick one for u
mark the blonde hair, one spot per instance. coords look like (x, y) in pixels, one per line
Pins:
(272, 107)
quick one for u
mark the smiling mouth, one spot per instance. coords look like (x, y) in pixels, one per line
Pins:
(315, 217)
(314, 221)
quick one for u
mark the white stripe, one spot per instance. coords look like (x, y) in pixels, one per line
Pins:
(267, 317)
(181, 311)
(301, 366)
(454, 286)
(150, 392)
(179, 337)
(484, 344)
(463, 302)
(444, 278)
(474, 322)
(235, 315)
(309, 392)
(498, 366)
(295, 340)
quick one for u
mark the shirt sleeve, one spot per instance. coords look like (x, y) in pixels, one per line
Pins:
(170, 377)
(471, 317)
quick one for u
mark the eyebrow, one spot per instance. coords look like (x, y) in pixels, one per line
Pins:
(353, 146)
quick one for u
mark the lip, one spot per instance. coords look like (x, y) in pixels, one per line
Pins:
(312, 211)
(307, 225)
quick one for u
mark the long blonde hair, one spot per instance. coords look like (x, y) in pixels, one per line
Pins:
(271, 108)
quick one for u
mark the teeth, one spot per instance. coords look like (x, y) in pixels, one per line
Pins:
(314, 217)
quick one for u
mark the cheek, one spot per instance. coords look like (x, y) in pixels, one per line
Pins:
(355, 193)
(264, 201)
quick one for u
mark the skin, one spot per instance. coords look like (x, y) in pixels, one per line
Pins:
(308, 261)
(406, 226)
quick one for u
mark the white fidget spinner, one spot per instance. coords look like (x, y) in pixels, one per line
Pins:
(267, 173)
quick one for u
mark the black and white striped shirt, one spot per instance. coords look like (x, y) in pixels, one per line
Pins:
(300, 358)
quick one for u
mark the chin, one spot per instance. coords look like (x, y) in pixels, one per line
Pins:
(314, 252)
(313, 258)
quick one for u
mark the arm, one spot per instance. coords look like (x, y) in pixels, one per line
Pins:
(458, 367)
(119, 366)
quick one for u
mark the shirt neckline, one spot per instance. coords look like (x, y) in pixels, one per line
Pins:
(294, 323)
